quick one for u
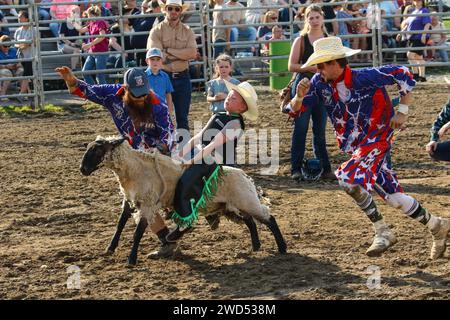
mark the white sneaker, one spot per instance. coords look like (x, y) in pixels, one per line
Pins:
(384, 238)
(439, 235)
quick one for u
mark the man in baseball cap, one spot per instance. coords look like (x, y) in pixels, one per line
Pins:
(140, 117)
(136, 82)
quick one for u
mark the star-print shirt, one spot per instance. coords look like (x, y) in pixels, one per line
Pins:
(109, 95)
(358, 104)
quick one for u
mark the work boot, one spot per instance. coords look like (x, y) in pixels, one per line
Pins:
(177, 233)
(384, 238)
(329, 176)
(213, 221)
(439, 232)
(166, 250)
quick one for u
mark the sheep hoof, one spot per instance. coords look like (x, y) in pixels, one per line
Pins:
(109, 252)
(256, 246)
(131, 263)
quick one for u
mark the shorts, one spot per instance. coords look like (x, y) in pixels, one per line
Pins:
(369, 166)
(416, 43)
(27, 68)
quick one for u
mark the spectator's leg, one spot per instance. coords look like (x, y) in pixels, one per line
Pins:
(319, 123)
(54, 28)
(5, 73)
(73, 60)
(100, 63)
(219, 49)
(442, 152)
(89, 65)
(28, 71)
(301, 125)
(181, 100)
(443, 54)
(234, 34)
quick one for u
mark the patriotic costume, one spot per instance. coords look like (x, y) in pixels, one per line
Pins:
(109, 95)
(361, 112)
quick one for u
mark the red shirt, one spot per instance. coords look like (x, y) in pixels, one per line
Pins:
(94, 29)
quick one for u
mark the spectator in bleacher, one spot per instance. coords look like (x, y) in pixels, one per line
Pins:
(233, 17)
(44, 11)
(360, 27)
(115, 44)
(275, 34)
(420, 23)
(438, 39)
(177, 42)
(132, 5)
(302, 49)
(144, 24)
(159, 80)
(24, 33)
(68, 29)
(3, 29)
(255, 16)
(216, 90)
(12, 11)
(8, 70)
(97, 44)
(440, 150)
(219, 35)
(269, 17)
(344, 27)
(331, 27)
(58, 12)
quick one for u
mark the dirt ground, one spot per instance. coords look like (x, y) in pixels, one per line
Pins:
(53, 218)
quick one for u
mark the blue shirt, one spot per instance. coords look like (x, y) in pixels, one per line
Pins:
(157, 133)
(160, 83)
(12, 54)
(214, 87)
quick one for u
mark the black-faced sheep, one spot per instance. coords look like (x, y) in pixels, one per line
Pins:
(148, 180)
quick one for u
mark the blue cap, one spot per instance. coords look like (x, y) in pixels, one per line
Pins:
(136, 82)
(154, 52)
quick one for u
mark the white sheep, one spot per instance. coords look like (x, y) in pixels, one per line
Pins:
(148, 180)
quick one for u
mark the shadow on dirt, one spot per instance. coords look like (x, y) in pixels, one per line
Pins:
(274, 276)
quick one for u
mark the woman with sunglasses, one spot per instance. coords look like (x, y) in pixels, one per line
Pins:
(140, 117)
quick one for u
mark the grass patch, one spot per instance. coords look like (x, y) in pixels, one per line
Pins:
(47, 110)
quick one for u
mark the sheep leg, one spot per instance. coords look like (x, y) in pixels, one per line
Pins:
(272, 224)
(138, 232)
(124, 216)
(256, 244)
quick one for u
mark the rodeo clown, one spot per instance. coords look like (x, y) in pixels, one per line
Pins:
(140, 117)
(219, 137)
(364, 121)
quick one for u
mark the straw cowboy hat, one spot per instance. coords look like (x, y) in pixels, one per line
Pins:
(328, 49)
(248, 93)
(179, 3)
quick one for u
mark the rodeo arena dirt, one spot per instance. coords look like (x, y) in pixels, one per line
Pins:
(56, 224)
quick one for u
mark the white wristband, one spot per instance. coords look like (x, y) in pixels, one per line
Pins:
(402, 108)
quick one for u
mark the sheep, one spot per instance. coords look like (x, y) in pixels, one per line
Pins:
(148, 179)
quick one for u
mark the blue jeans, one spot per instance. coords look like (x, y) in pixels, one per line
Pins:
(181, 97)
(442, 152)
(318, 114)
(443, 54)
(54, 28)
(218, 50)
(248, 33)
(95, 63)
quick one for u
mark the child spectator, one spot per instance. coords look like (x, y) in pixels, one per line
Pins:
(8, 70)
(216, 89)
(98, 44)
(24, 33)
(68, 29)
(269, 17)
(159, 80)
